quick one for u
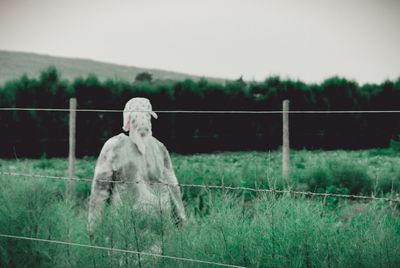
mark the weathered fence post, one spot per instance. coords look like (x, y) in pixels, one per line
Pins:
(72, 135)
(285, 141)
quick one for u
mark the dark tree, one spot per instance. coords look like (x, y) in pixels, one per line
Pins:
(144, 77)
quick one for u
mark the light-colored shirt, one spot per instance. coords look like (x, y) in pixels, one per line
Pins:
(122, 170)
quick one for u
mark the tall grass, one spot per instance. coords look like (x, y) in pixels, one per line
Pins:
(270, 230)
(265, 230)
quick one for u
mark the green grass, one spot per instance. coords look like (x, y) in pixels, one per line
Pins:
(263, 230)
(359, 172)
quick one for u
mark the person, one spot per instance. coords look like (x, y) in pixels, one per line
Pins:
(135, 168)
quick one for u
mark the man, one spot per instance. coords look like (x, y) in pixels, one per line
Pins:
(135, 168)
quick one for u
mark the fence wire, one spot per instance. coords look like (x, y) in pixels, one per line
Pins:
(222, 187)
(204, 111)
(118, 250)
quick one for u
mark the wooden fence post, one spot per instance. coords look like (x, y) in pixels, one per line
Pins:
(285, 141)
(72, 136)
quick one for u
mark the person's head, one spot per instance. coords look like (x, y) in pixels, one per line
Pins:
(137, 116)
(137, 120)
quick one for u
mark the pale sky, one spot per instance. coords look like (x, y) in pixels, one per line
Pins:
(308, 40)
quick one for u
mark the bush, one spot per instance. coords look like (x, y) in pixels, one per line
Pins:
(389, 180)
(193, 133)
(338, 176)
(395, 144)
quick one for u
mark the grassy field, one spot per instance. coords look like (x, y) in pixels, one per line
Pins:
(234, 227)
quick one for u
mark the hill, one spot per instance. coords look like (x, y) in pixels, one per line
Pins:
(15, 64)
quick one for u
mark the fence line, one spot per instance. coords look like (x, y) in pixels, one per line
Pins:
(223, 187)
(117, 250)
(203, 111)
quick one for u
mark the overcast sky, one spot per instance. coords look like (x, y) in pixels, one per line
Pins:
(301, 39)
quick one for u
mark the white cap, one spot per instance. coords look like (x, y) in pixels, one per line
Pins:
(136, 105)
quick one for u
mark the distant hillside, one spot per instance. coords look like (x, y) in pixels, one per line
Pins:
(15, 64)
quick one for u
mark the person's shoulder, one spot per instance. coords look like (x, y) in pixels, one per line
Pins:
(116, 140)
(158, 143)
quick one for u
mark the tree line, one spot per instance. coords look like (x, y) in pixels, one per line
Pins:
(45, 133)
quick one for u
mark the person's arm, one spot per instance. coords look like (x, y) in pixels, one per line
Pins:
(101, 186)
(173, 187)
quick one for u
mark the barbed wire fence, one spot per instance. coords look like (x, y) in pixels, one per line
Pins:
(205, 186)
(206, 111)
(285, 169)
(118, 250)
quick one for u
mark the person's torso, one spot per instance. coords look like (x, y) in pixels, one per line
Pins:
(139, 178)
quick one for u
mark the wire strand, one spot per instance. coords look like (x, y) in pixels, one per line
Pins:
(292, 192)
(117, 250)
(202, 111)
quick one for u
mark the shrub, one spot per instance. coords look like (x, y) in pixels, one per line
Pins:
(389, 180)
(395, 144)
(338, 176)
(193, 133)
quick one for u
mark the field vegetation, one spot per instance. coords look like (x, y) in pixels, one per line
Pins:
(194, 133)
(225, 226)
(240, 227)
